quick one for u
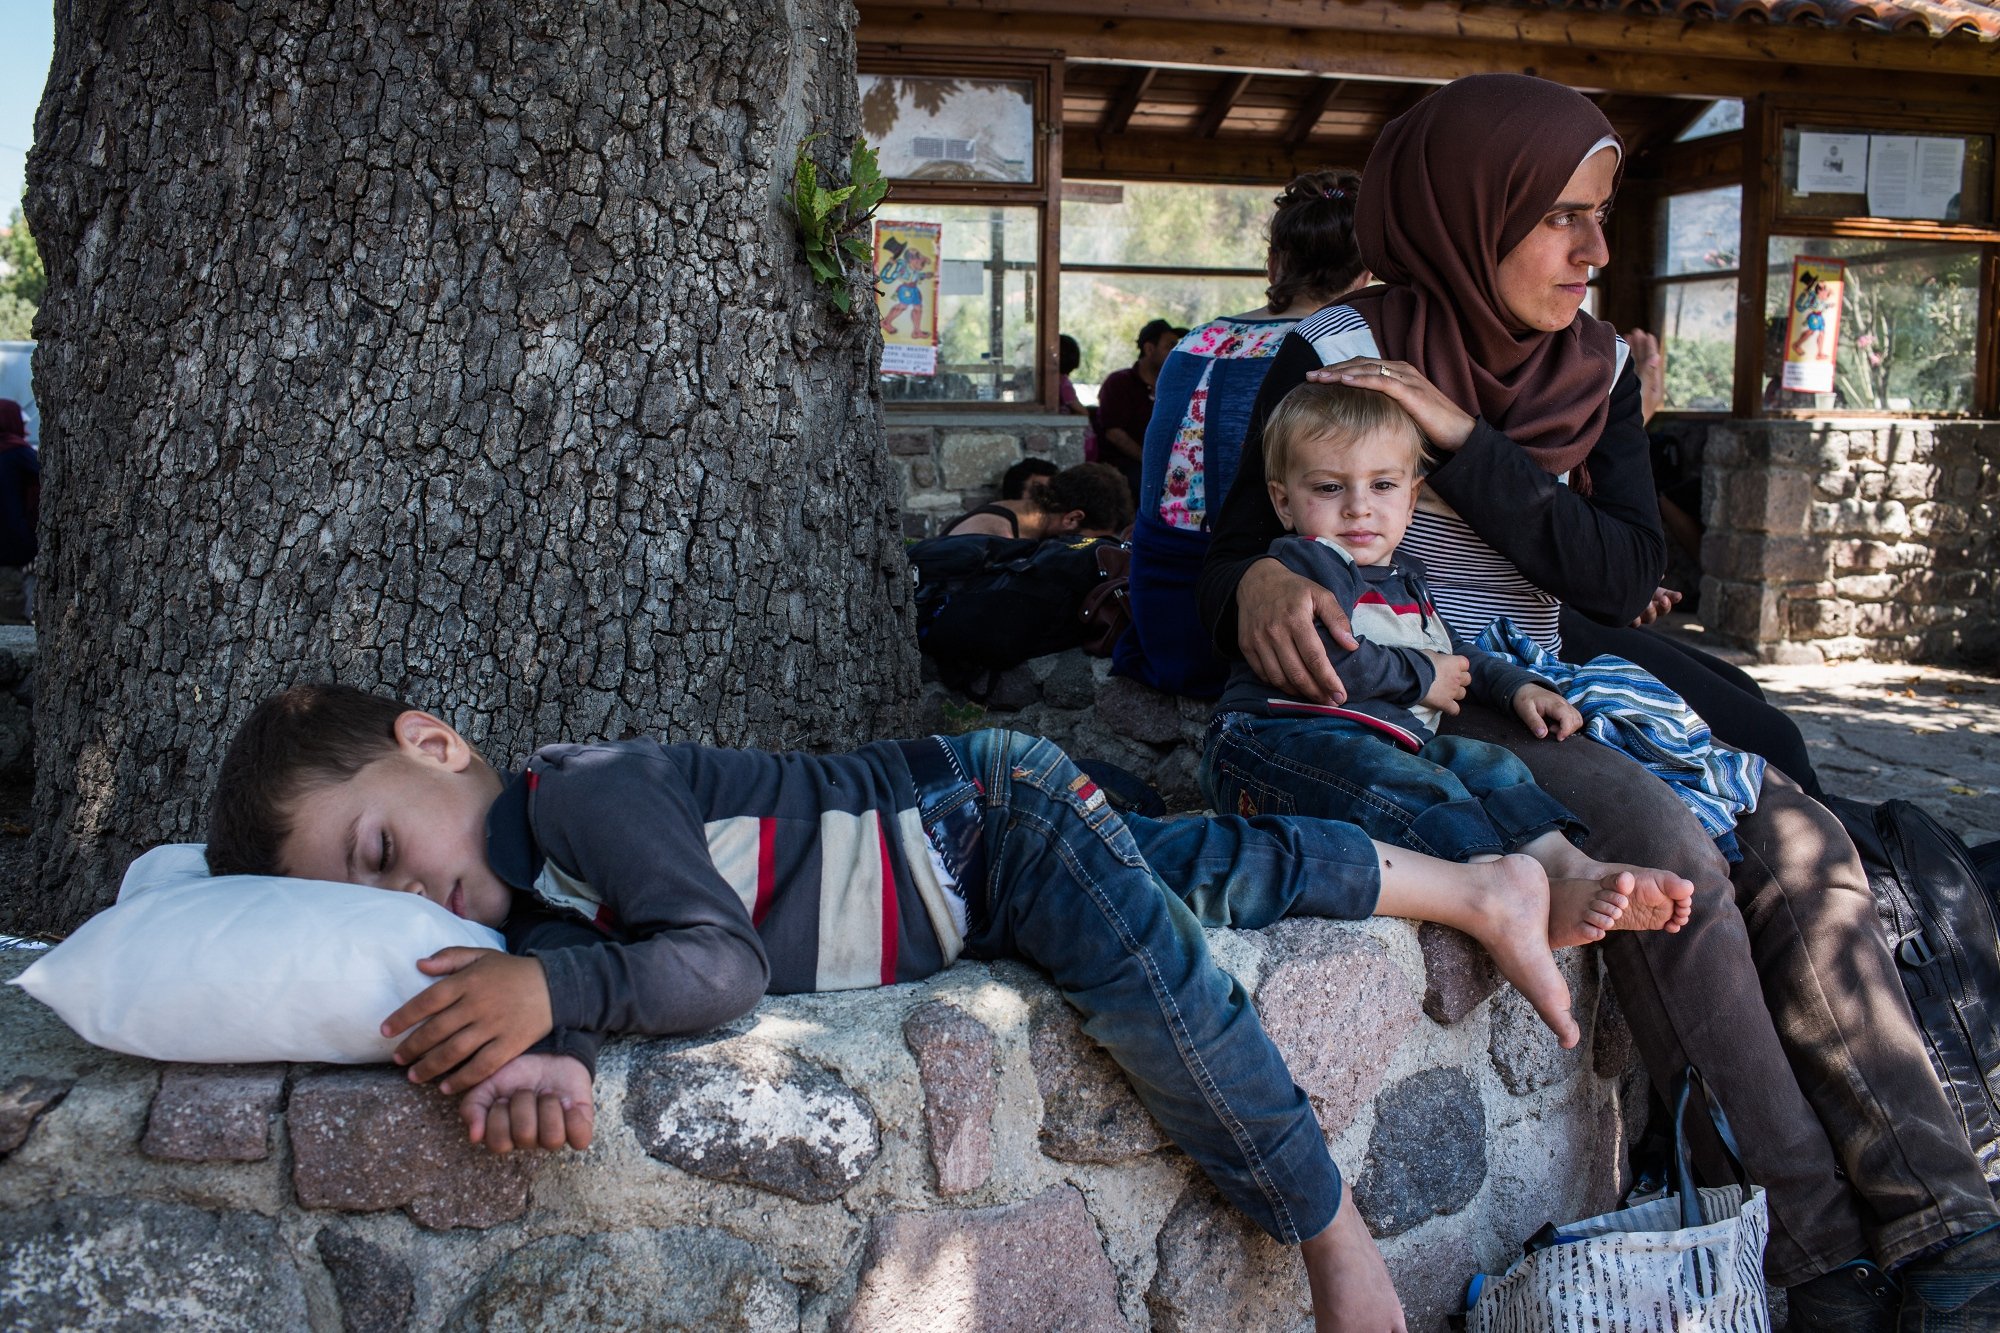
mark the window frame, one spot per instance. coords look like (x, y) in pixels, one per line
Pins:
(1766, 118)
(1043, 71)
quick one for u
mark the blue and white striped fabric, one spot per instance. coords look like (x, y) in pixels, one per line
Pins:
(1631, 711)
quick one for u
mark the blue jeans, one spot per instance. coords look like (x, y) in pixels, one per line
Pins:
(1456, 798)
(1112, 908)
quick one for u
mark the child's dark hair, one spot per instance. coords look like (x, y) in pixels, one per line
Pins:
(1014, 481)
(1313, 252)
(305, 737)
(1098, 489)
(1069, 356)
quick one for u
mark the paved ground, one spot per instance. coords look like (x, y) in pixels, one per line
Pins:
(1878, 730)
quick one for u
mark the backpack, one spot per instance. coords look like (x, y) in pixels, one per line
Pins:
(1944, 930)
(994, 602)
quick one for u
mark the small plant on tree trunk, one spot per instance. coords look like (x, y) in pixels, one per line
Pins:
(832, 222)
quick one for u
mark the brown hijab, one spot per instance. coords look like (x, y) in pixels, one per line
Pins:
(1453, 185)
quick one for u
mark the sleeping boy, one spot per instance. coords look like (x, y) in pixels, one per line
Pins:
(664, 889)
(1344, 468)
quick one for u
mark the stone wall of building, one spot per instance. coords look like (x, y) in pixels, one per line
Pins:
(952, 1154)
(1854, 539)
(951, 461)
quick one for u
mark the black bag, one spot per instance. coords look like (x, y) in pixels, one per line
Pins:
(994, 607)
(1945, 933)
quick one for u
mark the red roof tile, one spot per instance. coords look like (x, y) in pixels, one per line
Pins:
(1940, 18)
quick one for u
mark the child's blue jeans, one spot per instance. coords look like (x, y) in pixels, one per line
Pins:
(1456, 798)
(1112, 908)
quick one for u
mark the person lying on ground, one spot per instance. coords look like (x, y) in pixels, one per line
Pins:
(665, 889)
(1088, 500)
(1345, 467)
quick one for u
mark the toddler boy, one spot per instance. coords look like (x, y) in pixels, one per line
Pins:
(1343, 467)
(664, 889)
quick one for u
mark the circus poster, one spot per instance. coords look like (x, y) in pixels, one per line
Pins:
(1812, 326)
(906, 295)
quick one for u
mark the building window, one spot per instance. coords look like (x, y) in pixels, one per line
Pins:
(1134, 252)
(1693, 305)
(931, 128)
(987, 302)
(1724, 116)
(1908, 329)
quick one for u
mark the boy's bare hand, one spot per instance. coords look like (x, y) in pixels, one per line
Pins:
(1454, 677)
(1546, 713)
(532, 1101)
(490, 1007)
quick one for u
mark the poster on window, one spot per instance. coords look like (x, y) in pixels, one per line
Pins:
(1812, 327)
(906, 295)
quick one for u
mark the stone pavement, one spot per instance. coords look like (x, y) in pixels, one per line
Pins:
(1879, 730)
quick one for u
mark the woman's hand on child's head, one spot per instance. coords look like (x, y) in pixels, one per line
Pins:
(1442, 421)
(1448, 686)
(490, 1007)
(532, 1101)
(1546, 713)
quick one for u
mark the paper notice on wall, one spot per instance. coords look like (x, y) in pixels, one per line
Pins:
(1832, 163)
(1912, 176)
(906, 295)
(964, 277)
(1812, 326)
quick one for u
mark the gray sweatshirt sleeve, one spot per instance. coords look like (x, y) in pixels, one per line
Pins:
(1399, 676)
(686, 957)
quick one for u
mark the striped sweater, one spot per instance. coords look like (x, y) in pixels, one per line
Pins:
(708, 877)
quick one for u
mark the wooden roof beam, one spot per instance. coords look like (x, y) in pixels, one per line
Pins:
(1179, 157)
(1623, 37)
(1391, 56)
(1217, 110)
(1317, 99)
(1118, 113)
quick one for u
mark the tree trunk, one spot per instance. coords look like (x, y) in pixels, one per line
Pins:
(470, 357)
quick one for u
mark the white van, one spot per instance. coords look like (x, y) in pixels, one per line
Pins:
(15, 360)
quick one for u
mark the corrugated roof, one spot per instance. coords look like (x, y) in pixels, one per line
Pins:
(1939, 18)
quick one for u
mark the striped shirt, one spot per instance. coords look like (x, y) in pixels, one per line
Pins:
(709, 877)
(1474, 584)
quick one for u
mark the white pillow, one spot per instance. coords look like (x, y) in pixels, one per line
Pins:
(243, 968)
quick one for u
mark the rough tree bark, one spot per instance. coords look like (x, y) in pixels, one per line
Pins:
(468, 355)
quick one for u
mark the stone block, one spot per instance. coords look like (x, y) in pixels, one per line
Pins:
(1915, 481)
(1338, 1009)
(1459, 976)
(18, 654)
(1139, 711)
(1427, 1155)
(1070, 682)
(1788, 653)
(1013, 690)
(1216, 1270)
(1835, 485)
(214, 1113)
(677, 1278)
(365, 1140)
(375, 1287)
(24, 1101)
(1521, 1046)
(1879, 619)
(971, 458)
(1871, 485)
(1867, 587)
(954, 1054)
(1612, 1048)
(1089, 1112)
(741, 1111)
(89, 1263)
(1769, 501)
(1809, 619)
(910, 441)
(1037, 1264)
(1723, 449)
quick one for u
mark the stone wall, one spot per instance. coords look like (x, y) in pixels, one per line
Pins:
(951, 461)
(1843, 539)
(952, 1154)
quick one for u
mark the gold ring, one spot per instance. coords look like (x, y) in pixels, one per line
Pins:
(1386, 371)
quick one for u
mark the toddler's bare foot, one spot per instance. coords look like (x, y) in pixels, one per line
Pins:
(1515, 928)
(1581, 910)
(1658, 899)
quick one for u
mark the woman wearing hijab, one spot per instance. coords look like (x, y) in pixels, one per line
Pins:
(1482, 212)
